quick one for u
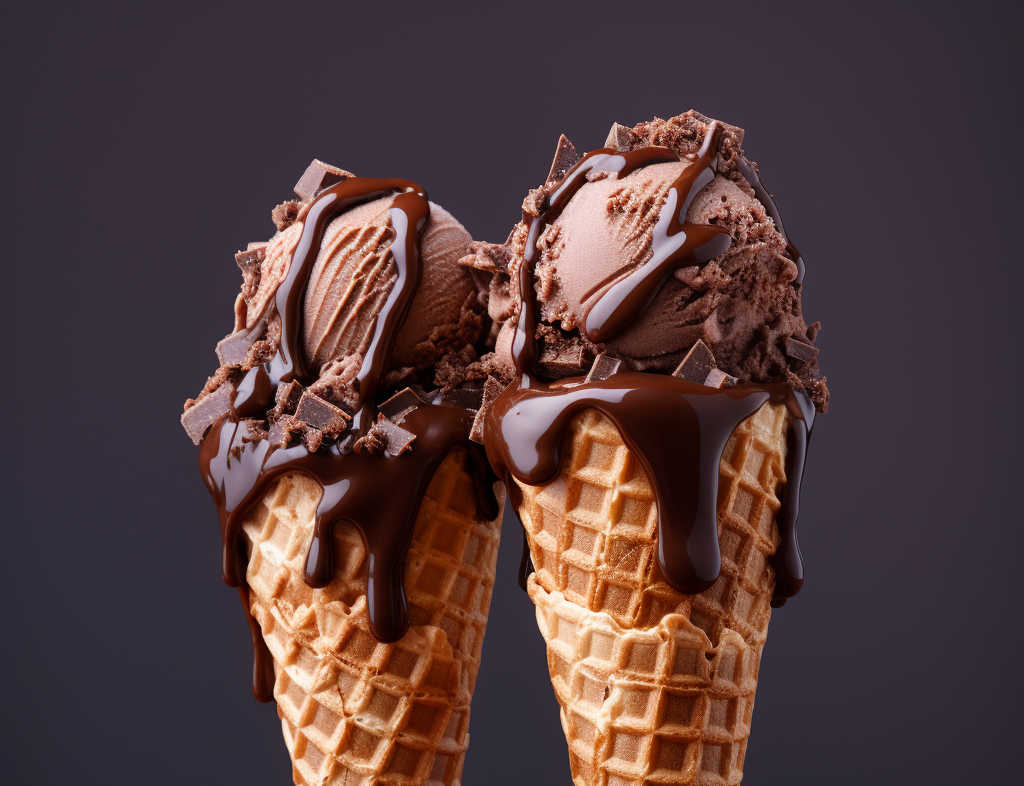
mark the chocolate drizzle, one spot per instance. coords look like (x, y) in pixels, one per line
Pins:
(409, 212)
(676, 428)
(379, 494)
(674, 244)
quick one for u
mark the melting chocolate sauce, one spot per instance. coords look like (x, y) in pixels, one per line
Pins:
(677, 429)
(379, 494)
(262, 661)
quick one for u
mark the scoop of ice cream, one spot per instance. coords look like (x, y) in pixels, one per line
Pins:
(354, 274)
(345, 288)
(745, 304)
(352, 277)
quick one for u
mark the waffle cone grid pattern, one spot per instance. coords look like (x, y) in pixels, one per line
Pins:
(655, 687)
(355, 711)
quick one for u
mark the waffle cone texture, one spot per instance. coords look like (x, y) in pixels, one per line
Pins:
(654, 687)
(355, 711)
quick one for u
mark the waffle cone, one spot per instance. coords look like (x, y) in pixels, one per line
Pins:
(655, 687)
(356, 711)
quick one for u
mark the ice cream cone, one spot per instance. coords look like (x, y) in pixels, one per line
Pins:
(355, 710)
(655, 687)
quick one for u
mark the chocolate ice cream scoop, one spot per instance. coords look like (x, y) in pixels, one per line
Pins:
(738, 291)
(353, 275)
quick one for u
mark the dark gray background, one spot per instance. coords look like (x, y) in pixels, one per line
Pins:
(150, 141)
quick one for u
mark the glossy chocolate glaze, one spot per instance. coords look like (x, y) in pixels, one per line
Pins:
(677, 430)
(378, 493)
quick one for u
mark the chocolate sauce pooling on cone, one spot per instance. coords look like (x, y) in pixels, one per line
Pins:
(379, 494)
(677, 429)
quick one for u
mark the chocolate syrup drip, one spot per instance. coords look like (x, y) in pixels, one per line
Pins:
(677, 430)
(787, 560)
(379, 494)
(262, 661)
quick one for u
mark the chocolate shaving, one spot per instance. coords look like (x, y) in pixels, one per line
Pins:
(251, 257)
(489, 257)
(233, 349)
(717, 378)
(321, 414)
(284, 215)
(400, 405)
(603, 367)
(207, 411)
(317, 177)
(801, 350)
(565, 158)
(620, 137)
(492, 389)
(698, 363)
(287, 397)
(396, 439)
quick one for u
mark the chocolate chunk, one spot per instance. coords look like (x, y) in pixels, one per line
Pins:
(396, 439)
(562, 359)
(401, 404)
(698, 363)
(492, 389)
(466, 397)
(321, 414)
(801, 350)
(534, 202)
(233, 349)
(603, 367)
(251, 257)
(284, 215)
(565, 158)
(207, 411)
(317, 177)
(287, 396)
(719, 379)
(620, 137)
